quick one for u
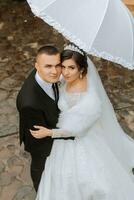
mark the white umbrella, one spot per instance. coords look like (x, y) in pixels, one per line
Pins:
(104, 28)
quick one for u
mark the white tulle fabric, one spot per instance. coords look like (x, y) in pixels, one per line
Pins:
(97, 165)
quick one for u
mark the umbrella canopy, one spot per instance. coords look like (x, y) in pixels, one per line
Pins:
(104, 28)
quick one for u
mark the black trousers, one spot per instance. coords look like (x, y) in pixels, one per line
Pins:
(37, 167)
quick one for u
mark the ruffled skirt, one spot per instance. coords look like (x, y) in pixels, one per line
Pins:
(84, 169)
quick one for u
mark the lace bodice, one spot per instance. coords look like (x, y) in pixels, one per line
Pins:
(69, 99)
(72, 98)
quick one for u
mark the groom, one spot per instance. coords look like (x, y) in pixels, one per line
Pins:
(37, 105)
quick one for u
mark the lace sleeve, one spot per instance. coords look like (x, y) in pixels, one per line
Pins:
(56, 133)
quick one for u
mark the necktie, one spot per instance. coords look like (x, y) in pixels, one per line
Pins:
(56, 92)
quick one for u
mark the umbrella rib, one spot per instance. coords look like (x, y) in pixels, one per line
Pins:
(101, 21)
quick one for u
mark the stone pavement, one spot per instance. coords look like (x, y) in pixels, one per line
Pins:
(20, 36)
(15, 181)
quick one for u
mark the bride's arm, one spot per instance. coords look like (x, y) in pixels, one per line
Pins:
(42, 132)
(57, 133)
(75, 122)
(79, 120)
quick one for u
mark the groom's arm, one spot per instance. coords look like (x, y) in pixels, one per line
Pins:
(31, 117)
(28, 118)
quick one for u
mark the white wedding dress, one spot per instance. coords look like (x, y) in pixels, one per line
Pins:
(98, 164)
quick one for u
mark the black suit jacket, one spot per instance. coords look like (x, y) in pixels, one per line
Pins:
(35, 108)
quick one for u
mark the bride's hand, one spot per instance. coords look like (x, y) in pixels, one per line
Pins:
(42, 132)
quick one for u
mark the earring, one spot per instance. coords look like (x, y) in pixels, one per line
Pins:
(81, 75)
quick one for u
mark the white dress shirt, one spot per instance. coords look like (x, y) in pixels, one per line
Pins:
(47, 87)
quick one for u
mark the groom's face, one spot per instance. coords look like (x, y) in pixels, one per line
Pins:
(48, 67)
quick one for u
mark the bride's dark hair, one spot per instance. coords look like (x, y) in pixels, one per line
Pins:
(79, 58)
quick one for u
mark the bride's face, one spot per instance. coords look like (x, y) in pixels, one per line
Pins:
(70, 70)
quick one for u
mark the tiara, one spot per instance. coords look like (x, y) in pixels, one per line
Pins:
(72, 47)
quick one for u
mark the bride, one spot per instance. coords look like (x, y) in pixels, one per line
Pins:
(97, 164)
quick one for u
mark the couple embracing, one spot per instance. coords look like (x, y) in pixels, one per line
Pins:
(78, 149)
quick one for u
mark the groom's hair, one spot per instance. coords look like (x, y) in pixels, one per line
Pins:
(48, 49)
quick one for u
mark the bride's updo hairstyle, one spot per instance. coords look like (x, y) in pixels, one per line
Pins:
(71, 51)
